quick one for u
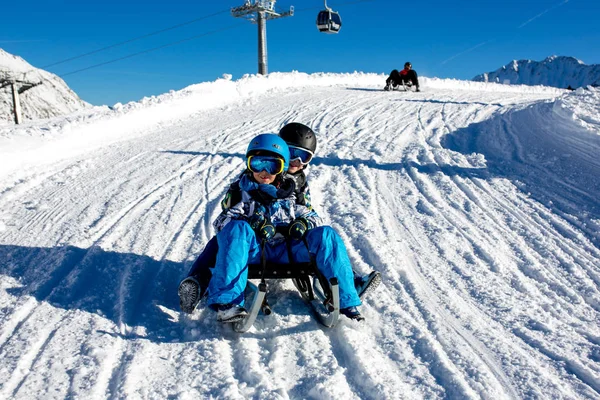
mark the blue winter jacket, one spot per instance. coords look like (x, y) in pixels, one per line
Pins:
(276, 201)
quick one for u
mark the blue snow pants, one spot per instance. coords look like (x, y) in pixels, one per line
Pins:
(202, 268)
(239, 247)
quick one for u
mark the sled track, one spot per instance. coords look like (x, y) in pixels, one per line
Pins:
(429, 315)
(455, 245)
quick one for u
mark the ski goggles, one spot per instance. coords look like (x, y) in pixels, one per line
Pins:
(302, 155)
(272, 165)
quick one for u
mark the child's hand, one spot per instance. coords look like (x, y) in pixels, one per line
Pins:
(298, 228)
(261, 224)
(257, 220)
(267, 231)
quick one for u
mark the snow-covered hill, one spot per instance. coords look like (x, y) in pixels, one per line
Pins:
(560, 72)
(52, 98)
(478, 203)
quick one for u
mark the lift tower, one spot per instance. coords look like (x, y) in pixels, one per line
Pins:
(18, 86)
(259, 11)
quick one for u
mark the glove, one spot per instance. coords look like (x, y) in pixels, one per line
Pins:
(261, 225)
(257, 220)
(298, 228)
(267, 231)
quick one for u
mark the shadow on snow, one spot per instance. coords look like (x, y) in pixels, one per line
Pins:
(341, 162)
(131, 290)
(424, 100)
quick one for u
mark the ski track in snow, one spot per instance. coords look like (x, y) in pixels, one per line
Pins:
(488, 292)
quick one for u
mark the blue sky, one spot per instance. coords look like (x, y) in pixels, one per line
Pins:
(441, 38)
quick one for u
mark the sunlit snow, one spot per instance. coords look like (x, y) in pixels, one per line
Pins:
(478, 203)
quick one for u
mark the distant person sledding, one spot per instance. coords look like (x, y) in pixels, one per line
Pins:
(405, 79)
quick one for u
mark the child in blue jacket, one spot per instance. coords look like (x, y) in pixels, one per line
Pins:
(268, 212)
(302, 143)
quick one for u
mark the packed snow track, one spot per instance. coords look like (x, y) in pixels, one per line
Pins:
(477, 202)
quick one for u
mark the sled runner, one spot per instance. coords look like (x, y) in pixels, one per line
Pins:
(405, 86)
(322, 295)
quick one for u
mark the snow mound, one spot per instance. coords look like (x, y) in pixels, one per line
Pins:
(551, 148)
(581, 106)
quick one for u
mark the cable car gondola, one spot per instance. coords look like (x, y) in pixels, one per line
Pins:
(329, 21)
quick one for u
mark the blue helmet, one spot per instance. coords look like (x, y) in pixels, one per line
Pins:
(270, 143)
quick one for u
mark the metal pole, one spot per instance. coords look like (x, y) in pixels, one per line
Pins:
(17, 103)
(259, 12)
(262, 43)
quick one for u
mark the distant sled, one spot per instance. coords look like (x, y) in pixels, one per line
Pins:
(405, 87)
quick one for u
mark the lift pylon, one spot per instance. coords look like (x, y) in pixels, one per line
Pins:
(258, 12)
(18, 87)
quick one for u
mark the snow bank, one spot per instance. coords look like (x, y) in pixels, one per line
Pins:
(551, 148)
(60, 137)
(581, 106)
(224, 91)
(455, 84)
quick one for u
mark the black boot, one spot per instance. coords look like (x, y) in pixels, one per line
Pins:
(189, 294)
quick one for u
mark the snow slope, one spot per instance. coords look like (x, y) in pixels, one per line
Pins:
(478, 203)
(52, 98)
(557, 71)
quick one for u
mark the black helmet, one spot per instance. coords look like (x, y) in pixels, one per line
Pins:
(407, 64)
(299, 135)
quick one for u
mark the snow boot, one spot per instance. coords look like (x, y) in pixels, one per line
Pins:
(352, 313)
(387, 87)
(227, 313)
(366, 284)
(189, 294)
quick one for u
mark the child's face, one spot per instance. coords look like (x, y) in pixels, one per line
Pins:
(263, 177)
(299, 157)
(295, 166)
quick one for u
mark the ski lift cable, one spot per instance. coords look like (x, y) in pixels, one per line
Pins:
(168, 44)
(348, 3)
(165, 30)
(136, 38)
(152, 49)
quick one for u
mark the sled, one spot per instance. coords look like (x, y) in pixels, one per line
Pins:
(405, 87)
(321, 295)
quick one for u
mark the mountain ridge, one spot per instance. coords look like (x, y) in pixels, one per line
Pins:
(557, 71)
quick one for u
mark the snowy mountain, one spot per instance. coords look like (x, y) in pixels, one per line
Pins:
(560, 72)
(49, 99)
(477, 202)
